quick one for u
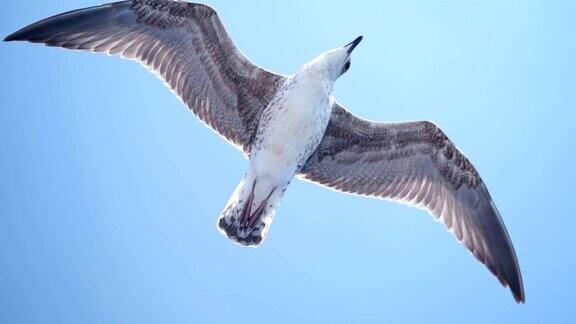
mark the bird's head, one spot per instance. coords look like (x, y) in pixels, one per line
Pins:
(336, 62)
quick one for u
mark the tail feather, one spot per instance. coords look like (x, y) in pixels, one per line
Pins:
(246, 219)
(247, 208)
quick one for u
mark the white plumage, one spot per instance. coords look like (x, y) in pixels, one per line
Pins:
(291, 128)
(290, 125)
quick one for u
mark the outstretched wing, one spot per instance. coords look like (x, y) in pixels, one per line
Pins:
(416, 164)
(185, 44)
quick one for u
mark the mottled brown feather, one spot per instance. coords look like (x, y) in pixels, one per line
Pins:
(186, 44)
(415, 163)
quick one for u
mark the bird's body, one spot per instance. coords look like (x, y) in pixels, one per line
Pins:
(291, 128)
(290, 125)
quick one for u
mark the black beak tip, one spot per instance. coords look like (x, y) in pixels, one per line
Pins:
(355, 43)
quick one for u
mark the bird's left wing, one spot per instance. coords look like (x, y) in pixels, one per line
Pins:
(184, 43)
(415, 163)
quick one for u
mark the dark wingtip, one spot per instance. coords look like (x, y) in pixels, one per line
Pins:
(9, 38)
(17, 36)
(519, 297)
(517, 289)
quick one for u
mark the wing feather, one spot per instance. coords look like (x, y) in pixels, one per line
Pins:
(185, 44)
(416, 164)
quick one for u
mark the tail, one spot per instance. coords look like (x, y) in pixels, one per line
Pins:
(250, 212)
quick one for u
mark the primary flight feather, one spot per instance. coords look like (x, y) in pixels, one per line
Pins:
(290, 126)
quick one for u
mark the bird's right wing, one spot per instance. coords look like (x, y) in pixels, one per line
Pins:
(185, 43)
(415, 163)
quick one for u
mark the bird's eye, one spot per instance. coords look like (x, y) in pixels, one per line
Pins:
(346, 67)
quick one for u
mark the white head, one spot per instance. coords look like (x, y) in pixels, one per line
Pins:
(336, 62)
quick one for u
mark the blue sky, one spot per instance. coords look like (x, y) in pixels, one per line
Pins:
(111, 189)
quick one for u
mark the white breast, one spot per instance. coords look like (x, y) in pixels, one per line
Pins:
(291, 128)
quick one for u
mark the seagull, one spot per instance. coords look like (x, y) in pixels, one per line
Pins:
(290, 126)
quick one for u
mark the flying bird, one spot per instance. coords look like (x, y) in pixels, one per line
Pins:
(290, 126)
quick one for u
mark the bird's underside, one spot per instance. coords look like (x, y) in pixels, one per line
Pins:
(187, 46)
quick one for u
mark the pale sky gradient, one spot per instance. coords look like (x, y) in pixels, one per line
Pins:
(111, 189)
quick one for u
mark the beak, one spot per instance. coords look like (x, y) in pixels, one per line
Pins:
(350, 47)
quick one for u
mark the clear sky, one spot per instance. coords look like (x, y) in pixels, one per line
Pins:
(111, 189)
